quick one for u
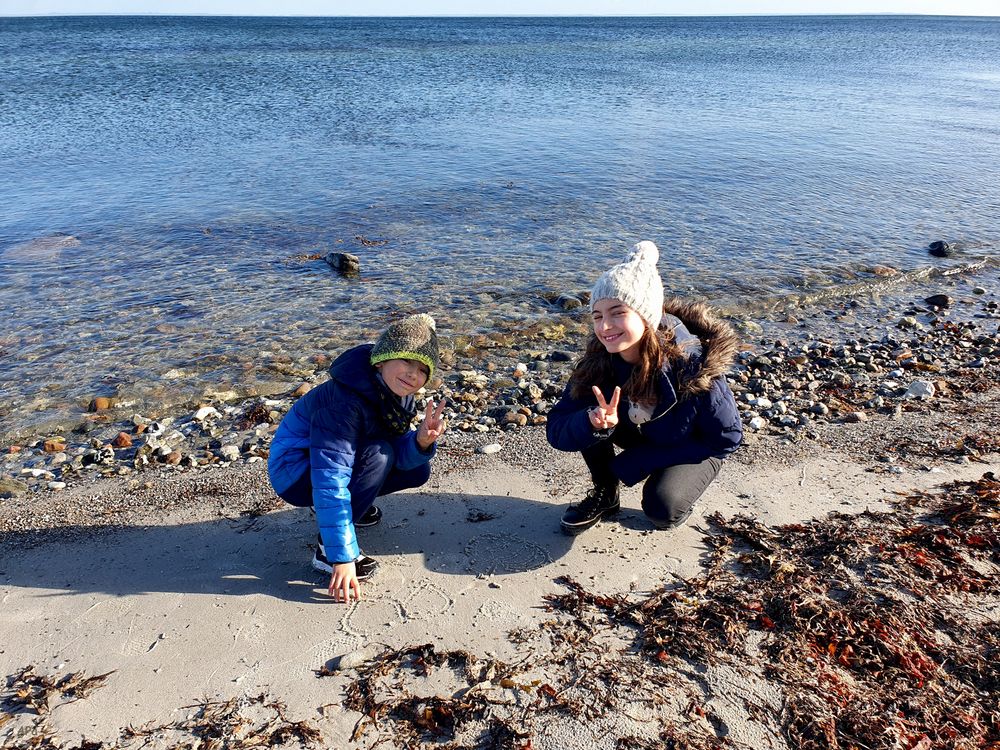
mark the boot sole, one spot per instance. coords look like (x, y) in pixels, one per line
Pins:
(579, 528)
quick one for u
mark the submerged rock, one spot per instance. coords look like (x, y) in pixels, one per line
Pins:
(941, 249)
(41, 249)
(939, 300)
(346, 264)
(12, 488)
(101, 403)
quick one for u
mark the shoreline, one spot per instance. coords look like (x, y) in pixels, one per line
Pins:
(271, 368)
(845, 360)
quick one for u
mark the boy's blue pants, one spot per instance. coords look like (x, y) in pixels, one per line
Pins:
(374, 474)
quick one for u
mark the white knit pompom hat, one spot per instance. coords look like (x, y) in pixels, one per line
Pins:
(636, 282)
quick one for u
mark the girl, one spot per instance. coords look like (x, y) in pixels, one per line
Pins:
(663, 367)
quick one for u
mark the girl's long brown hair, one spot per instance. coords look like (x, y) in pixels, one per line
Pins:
(642, 387)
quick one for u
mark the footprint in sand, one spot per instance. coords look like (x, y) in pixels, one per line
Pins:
(499, 613)
(107, 610)
(505, 553)
(137, 641)
(326, 650)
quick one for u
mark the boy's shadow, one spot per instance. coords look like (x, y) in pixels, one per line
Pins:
(270, 554)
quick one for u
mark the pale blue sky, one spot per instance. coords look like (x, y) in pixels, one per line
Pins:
(495, 7)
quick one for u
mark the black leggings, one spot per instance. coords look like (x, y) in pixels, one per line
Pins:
(669, 494)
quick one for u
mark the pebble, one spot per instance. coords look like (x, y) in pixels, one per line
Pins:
(353, 659)
(101, 403)
(489, 448)
(230, 452)
(206, 412)
(920, 389)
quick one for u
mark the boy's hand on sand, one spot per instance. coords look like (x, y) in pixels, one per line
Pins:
(344, 582)
(432, 426)
(604, 416)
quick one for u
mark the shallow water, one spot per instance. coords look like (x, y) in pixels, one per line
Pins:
(163, 176)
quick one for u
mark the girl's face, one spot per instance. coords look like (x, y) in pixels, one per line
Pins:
(404, 376)
(619, 328)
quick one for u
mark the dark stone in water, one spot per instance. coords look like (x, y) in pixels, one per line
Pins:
(569, 302)
(939, 300)
(559, 355)
(346, 264)
(941, 249)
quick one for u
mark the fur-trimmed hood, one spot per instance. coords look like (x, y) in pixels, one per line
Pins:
(719, 345)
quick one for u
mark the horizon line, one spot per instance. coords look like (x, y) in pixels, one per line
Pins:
(495, 15)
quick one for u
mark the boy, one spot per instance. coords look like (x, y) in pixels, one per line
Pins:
(349, 440)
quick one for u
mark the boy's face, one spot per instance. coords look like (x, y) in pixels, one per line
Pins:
(404, 376)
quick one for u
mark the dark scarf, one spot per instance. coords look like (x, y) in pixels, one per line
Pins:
(394, 415)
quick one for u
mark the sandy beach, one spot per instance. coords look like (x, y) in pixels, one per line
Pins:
(190, 596)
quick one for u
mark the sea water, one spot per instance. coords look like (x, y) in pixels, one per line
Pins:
(167, 183)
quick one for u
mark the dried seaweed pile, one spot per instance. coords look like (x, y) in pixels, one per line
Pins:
(236, 724)
(380, 697)
(947, 442)
(881, 628)
(32, 692)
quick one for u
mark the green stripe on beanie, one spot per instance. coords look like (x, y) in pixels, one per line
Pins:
(413, 337)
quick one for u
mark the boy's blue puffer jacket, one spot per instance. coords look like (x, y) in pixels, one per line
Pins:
(321, 434)
(695, 417)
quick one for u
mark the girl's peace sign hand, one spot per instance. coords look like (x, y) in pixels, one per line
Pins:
(432, 426)
(604, 416)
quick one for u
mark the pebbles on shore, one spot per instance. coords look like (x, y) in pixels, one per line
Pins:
(504, 381)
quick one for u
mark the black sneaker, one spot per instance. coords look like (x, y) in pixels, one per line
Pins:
(364, 566)
(599, 503)
(369, 518)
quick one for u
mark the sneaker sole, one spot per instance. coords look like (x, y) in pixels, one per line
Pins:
(323, 567)
(578, 528)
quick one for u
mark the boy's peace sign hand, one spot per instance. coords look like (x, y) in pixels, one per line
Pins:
(604, 416)
(432, 426)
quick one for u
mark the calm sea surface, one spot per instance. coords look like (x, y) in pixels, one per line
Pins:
(161, 178)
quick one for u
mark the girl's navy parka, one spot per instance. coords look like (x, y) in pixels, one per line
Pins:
(695, 416)
(322, 433)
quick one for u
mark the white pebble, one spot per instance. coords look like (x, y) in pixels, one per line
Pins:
(920, 389)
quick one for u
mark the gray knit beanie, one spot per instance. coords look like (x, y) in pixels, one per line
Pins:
(636, 282)
(413, 337)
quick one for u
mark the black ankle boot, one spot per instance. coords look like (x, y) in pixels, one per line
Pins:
(599, 503)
